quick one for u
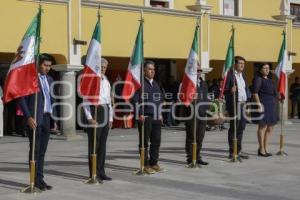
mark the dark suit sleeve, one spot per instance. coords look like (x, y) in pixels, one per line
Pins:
(22, 102)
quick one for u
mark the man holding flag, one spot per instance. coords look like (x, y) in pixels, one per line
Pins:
(194, 89)
(33, 92)
(236, 85)
(104, 122)
(42, 122)
(150, 117)
(95, 90)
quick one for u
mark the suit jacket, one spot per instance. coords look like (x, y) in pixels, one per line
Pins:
(26, 104)
(227, 90)
(202, 98)
(152, 94)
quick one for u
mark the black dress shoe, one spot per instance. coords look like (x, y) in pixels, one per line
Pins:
(261, 154)
(48, 187)
(41, 187)
(201, 162)
(99, 179)
(105, 178)
(243, 155)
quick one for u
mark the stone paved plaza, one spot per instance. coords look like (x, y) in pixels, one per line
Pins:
(274, 178)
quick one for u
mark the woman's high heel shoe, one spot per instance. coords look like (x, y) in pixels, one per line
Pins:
(268, 154)
(261, 154)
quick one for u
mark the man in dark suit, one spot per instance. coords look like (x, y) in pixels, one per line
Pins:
(236, 83)
(151, 116)
(200, 98)
(42, 121)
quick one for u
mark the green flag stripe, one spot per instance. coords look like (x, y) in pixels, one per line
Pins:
(138, 55)
(195, 45)
(283, 47)
(97, 32)
(230, 55)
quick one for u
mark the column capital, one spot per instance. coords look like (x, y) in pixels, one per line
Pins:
(289, 71)
(200, 6)
(206, 70)
(283, 17)
(67, 68)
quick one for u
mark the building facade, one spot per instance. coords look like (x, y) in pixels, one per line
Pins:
(169, 27)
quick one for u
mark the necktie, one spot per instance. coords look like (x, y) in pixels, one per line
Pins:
(46, 95)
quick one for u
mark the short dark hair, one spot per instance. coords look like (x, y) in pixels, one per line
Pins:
(148, 62)
(238, 58)
(46, 57)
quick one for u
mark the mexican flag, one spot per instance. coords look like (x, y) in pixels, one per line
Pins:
(133, 76)
(189, 81)
(229, 62)
(280, 70)
(89, 86)
(22, 76)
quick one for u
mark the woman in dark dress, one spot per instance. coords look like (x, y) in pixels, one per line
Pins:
(265, 95)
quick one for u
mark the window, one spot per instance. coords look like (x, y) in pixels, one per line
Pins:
(160, 3)
(295, 10)
(231, 7)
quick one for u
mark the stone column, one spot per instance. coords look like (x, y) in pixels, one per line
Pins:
(67, 98)
(68, 72)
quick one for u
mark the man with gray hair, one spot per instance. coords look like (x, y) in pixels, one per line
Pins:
(104, 121)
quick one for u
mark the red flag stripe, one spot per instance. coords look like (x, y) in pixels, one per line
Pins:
(90, 86)
(130, 86)
(21, 81)
(187, 91)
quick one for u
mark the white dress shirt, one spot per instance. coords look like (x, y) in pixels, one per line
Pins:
(150, 80)
(105, 98)
(241, 86)
(47, 105)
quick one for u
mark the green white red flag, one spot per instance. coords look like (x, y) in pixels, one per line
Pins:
(229, 62)
(189, 81)
(22, 77)
(133, 76)
(280, 70)
(89, 87)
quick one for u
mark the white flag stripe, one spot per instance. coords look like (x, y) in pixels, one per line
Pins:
(135, 71)
(191, 69)
(282, 65)
(26, 49)
(93, 59)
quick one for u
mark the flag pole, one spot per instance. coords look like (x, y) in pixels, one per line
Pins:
(194, 144)
(31, 189)
(235, 156)
(141, 171)
(281, 141)
(93, 180)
